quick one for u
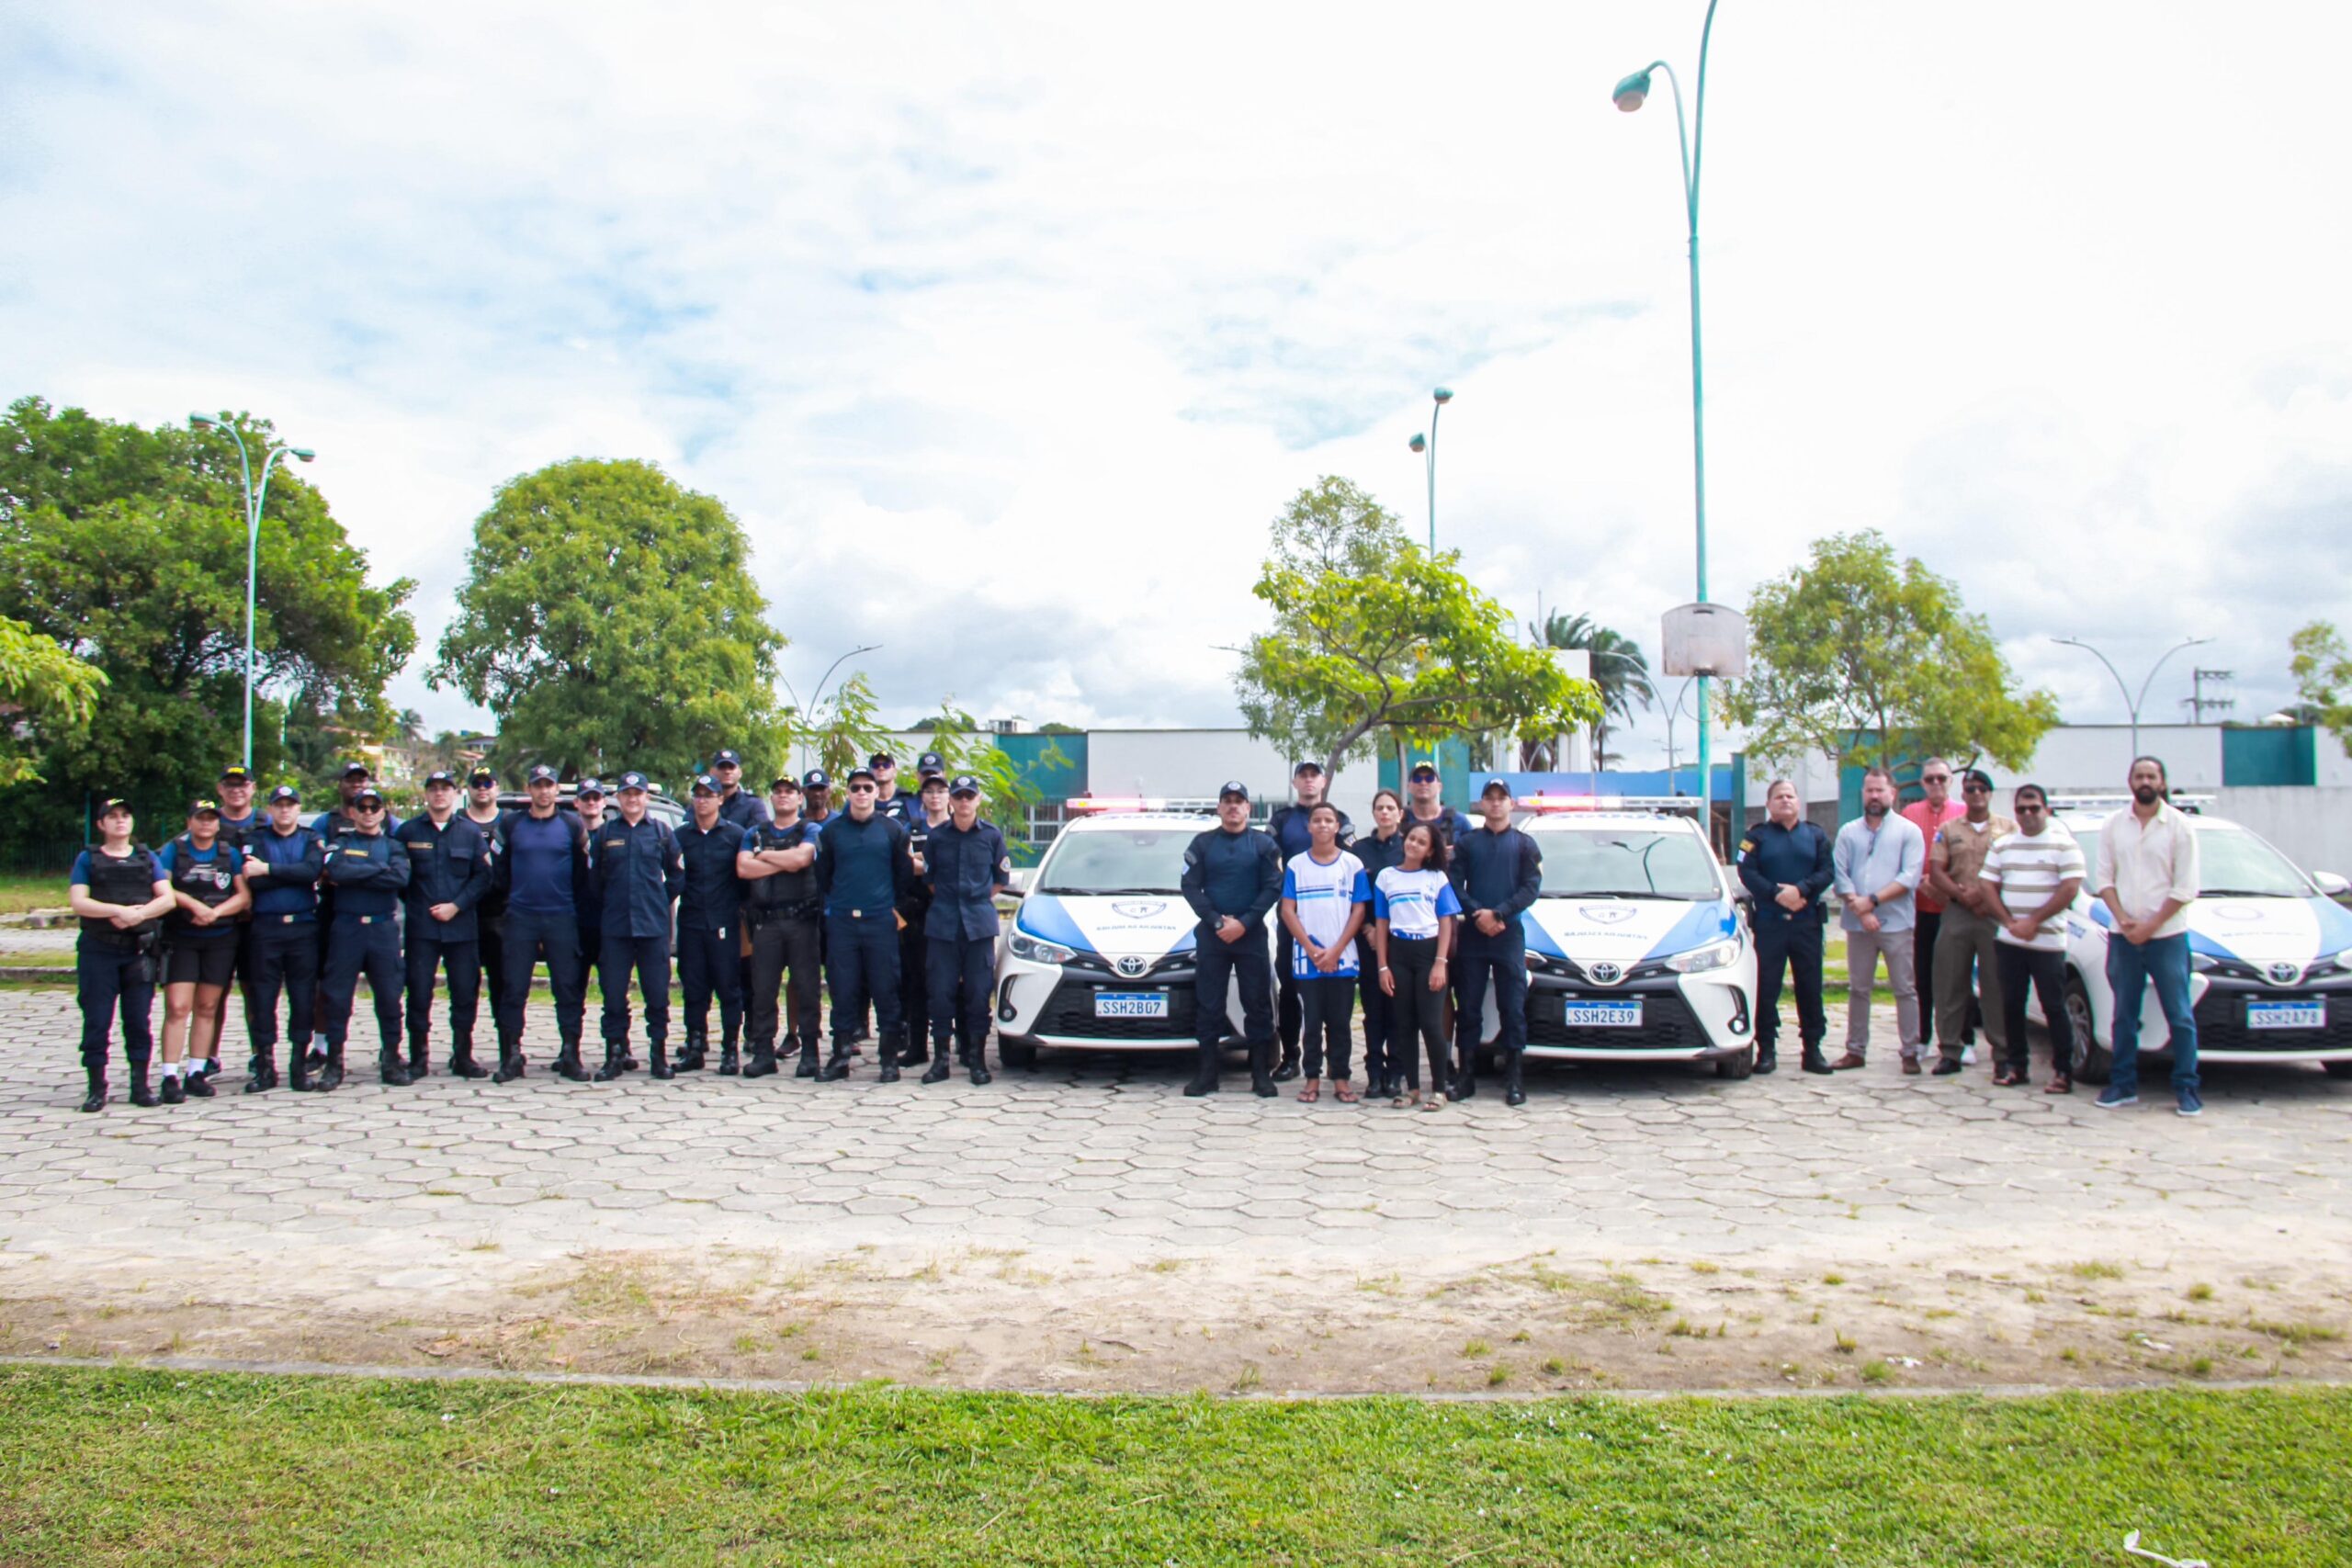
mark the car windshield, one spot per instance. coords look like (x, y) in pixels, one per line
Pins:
(1633, 863)
(1136, 860)
(2231, 861)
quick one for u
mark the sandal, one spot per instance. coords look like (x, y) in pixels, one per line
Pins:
(2060, 1083)
(1311, 1093)
(1344, 1092)
(2008, 1077)
(1436, 1101)
(1405, 1098)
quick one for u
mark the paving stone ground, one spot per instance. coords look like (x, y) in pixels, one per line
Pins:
(452, 1193)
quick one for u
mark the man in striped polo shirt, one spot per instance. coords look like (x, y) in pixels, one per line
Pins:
(2033, 875)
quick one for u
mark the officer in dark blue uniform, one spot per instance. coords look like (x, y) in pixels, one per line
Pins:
(1784, 864)
(1497, 871)
(490, 916)
(541, 861)
(914, 945)
(240, 820)
(368, 872)
(710, 932)
(1233, 874)
(777, 863)
(590, 802)
(638, 873)
(120, 894)
(738, 808)
(863, 869)
(966, 865)
(283, 863)
(1287, 828)
(330, 825)
(448, 873)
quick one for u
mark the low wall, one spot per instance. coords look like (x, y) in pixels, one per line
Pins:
(2313, 825)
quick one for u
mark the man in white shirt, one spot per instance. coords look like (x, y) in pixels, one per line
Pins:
(2146, 874)
(2029, 879)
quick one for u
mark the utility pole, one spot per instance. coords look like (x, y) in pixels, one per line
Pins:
(2197, 703)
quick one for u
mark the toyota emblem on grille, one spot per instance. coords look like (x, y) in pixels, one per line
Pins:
(2285, 974)
(1605, 973)
(1132, 966)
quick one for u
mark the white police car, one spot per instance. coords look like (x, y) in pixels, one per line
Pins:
(1638, 949)
(1098, 956)
(2270, 953)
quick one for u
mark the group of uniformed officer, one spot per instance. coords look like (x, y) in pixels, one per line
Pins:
(891, 900)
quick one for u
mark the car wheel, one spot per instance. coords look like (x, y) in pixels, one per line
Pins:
(2338, 1069)
(1013, 1055)
(1738, 1067)
(2093, 1061)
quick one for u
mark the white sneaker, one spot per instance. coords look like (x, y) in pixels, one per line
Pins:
(1968, 1055)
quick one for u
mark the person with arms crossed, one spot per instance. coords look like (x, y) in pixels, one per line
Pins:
(120, 895)
(777, 863)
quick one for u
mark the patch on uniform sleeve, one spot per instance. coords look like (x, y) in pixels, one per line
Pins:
(1192, 857)
(1747, 846)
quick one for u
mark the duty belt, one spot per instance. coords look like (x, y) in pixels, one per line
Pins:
(364, 920)
(285, 920)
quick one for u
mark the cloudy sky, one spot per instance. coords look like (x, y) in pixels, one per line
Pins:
(1006, 329)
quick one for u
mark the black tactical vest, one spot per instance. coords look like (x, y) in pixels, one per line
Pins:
(212, 885)
(771, 895)
(131, 881)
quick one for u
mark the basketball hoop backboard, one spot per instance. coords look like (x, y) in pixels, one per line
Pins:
(1705, 639)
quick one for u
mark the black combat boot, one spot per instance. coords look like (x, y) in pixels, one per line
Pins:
(940, 1066)
(661, 1068)
(1465, 1077)
(1768, 1058)
(695, 1057)
(568, 1065)
(1204, 1075)
(729, 1064)
(97, 1099)
(462, 1064)
(420, 1061)
(917, 1051)
(298, 1070)
(1812, 1060)
(806, 1067)
(616, 1062)
(331, 1075)
(976, 1057)
(510, 1061)
(1262, 1081)
(262, 1073)
(892, 1046)
(1289, 1068)
(837, 1065)
(761, 1063)
(391, 1068)
(140, 1095)
(1514, 1090)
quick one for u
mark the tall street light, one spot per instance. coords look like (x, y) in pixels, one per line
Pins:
(817, 696)
(1630, 95)
(2130, 702)
(1426, 446)
(255, 497)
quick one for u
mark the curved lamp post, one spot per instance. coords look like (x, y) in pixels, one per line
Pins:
(2130, 702)
(1426, 446)
(255, 497)
(1629, 96)
(819, 695)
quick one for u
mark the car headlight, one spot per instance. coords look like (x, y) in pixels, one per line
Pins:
(1023, 945)
(2203, 961)
(1714, 956)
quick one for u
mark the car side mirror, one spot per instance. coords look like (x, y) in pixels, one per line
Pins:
(2332, 884)
(1018, 887)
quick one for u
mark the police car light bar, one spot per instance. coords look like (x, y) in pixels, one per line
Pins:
(1094, 805)
(1547, 804)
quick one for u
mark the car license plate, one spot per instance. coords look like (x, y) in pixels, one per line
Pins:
(1131, 1004)
(1602, 1015)
(2286, 1015)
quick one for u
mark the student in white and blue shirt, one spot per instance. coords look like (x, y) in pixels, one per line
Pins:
(1325, 897)
(1414, 907)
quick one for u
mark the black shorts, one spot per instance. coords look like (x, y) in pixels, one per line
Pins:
(200, 962)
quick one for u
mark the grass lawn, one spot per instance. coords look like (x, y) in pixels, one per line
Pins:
(138, 1467)
(19, 895)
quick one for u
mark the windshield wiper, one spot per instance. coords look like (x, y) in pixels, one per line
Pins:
(2245, 893)
(1116, 892)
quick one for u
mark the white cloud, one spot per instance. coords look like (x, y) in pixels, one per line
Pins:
(1005, 332)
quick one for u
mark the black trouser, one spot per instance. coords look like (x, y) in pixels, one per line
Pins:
(708, 964)
(244, 976)
(2047, 971)
(649, 956)
(115, 981)
(358, 945)
(914, 975)
(1289, 1014)
(1221, 964)
(862, 959)
(1794, 944)
(1418, 1010)
(1501, 961)
(530, 936)
(286, 957)
(1327, 1008)
(428, 955)
(493, 929)
(1379, 1018)
(959, 969)
(1923, 969)
(782, 943)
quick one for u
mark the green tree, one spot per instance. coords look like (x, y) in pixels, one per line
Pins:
(47, 689)
(847, 730)
(1619, 670)
(1373, 638)
(2322, 667)
(610, 621)
(1874, 660)
(1006, 790)
(126, 547)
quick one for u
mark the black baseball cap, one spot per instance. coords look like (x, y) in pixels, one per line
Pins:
(704, 785)
(367, 793)
(542, 773)
(931, 762)
(1234, 790)
(204, 808)
(440, 775)
(589, 786)
(1305, 765)
(934, 781)
(964, 785)
(356, 766)
(629, 780)
(786, 781)
(727, 760)
(111, 805)
(482, 776)
(856, 773)
(1493, 785)
(236, 773)
(815, 779)
(881, 760)
(286, 792)
(1422, 771)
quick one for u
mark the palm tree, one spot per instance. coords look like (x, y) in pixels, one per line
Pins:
(1618, 669)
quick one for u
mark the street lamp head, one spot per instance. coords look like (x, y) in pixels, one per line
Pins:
(201, 421)
(1444, 394)
(305, 453)
(1632, 91)
(1419, 443)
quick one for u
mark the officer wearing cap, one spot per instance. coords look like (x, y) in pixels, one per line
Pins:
(368, 872)
(817, 799)
(448, 873)
(330, 825)
(1425, 802)
(120, 894)
(1497, 871)
(710, 913)
(914, 945)
(199, 947)
(888, 799)
(1287, 828)
(541, 858)
(591, 801)
(483, 811)
(777, 863)
(966, 865)
(283, 864)
(1786, 864)
(863, 869)
(1233, 874)
(638, 873)
(738, 808)
(240, 820)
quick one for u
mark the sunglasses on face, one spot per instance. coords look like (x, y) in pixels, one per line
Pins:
(1975, 789)
(861, 789)
(1935, 778)
(2025, 806)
